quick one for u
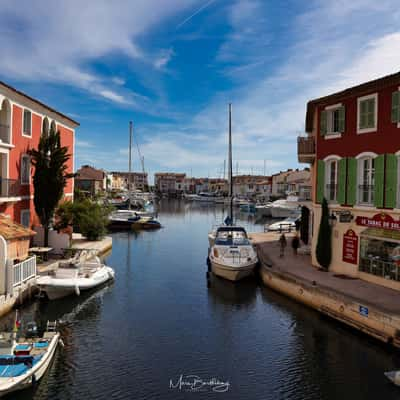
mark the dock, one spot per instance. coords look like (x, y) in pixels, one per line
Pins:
(369, 308)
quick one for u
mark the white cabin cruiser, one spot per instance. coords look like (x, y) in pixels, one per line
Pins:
(264, 210)
(283, 208)
(73, 277)
(23, 363)
(232, 256)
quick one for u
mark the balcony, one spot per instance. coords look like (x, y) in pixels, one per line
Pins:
(9, 188)
(306, 149)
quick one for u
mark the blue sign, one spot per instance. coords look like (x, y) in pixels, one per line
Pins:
(364, 311)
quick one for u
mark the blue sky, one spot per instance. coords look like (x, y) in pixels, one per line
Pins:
(173, 66)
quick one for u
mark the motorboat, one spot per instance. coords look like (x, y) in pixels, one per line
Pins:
(205, 197)
(123, 219)
(146, 223)
(23, 363)
(264, 210)
(283, 208)
(286, 225)
(74, 276)
(232, 256)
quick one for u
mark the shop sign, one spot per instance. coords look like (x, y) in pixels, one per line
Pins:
(350, 247)
(381, 220)
(345, 216)
(363, 311)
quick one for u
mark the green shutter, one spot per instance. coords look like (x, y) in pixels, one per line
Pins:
(351, 181)
(396, 106)
(320, 181)
(391, 181)
(324, 123)
(342, 114)
(379, 164)
(341, 189)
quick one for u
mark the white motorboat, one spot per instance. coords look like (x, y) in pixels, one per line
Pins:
(283, 208)
(286, 225)
(232, 256)
(264, 210)
(73, 277)
(27, 360)
(121, 219)
(205, 197)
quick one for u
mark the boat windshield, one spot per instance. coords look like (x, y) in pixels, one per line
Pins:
(232, 238)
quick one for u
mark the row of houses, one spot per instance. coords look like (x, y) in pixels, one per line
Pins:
(274, 186)
(352, 145)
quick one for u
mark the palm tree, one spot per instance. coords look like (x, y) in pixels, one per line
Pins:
(50, 178)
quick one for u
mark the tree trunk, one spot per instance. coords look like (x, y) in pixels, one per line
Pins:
(46, 236)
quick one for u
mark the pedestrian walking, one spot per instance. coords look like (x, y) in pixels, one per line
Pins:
(282, 243)
(295, 244)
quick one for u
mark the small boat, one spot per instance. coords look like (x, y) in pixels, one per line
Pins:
(123, 219)
(286, 225)
(393, 376)
(232, 256)
(22, 364)
(146, 223)
(283, 208)
(264, 210)
(205, 197)
(74, 276)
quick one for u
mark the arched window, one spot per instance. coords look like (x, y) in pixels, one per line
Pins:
(331, 178)
(366, 180)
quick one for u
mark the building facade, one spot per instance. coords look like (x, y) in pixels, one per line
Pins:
(23, 120)
(91, 180)
(246, 185)
(169, 183)
(138, 180)
(353, 146)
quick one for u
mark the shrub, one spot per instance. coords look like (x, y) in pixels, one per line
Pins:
(324, 243)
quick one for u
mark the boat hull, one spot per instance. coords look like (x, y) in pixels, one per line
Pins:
(282, 212)
(230, 273)
(56, 289)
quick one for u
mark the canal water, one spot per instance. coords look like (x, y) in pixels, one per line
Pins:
(161, 328)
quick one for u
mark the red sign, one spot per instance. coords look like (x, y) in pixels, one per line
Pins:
(381, 220)
(350, 247)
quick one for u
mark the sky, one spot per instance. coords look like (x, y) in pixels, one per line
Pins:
(172, 67)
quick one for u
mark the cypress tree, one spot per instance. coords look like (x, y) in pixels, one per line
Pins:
(50, 177)
(324, 243)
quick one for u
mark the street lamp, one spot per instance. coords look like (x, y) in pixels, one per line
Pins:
(332, 219)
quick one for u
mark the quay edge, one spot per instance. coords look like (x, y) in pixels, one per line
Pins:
(378, 324)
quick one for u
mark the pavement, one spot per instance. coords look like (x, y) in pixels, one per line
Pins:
(300, 268)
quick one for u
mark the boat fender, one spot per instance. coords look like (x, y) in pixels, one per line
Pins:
(77, 291)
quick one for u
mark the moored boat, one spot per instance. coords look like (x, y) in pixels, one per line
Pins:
(73, 277)
(27, 360)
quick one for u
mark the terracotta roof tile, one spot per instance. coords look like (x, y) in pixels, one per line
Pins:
(12, 230)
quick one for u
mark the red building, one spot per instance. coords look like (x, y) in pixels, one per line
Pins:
(22, 121)
(353, 145)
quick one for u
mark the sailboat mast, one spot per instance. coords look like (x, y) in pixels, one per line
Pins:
(230, 165)
(130, 162)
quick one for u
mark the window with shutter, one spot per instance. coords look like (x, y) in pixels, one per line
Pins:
(333, 121)
(320, 181)
(396, 106)
(378, 171)
(27, 123)
(341, 190)
(367, 113)
(351, 189)
(391, 181)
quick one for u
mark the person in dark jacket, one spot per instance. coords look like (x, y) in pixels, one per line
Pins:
(295, 244)
(282, 244)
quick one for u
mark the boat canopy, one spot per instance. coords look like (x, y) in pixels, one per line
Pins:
(231, 229)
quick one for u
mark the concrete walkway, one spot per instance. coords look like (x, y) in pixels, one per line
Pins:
(299, 267)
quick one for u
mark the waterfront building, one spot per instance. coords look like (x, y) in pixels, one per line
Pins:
(169, 183)
(246, 185)
(189, 185)
(138, 180)
(353, 147)
(23, 120)
(90, 180)
(218, 185)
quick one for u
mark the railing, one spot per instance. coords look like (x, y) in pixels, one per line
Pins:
(24, 271)
(366, 194)
(331, 191)
(4, 133)
(9, 187)
(305, 148)
(376, 266)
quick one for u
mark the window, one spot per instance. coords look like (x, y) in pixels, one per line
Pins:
(27, 124)
(331, 179)
(367, 113)
(25, 218)
(396, 107)
(25, 169)
(333, 120)
(366, 181)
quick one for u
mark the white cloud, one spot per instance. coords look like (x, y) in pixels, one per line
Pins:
(83, 144)
(164, 58)
(59, 40)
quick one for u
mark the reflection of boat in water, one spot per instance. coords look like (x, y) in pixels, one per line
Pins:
(228, 292)
(23, 363)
